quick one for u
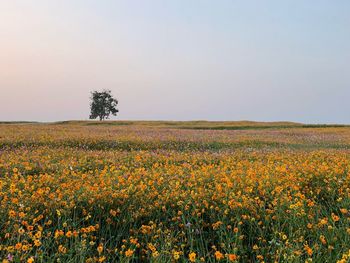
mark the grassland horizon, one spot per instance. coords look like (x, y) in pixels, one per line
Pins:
(177, 122)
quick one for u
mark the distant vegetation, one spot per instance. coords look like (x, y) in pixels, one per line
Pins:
(207, 125)
(103, 105)
(17, 122)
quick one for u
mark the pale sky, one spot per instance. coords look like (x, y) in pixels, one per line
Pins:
(176, 60)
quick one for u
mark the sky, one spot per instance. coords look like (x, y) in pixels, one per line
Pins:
(176, 60)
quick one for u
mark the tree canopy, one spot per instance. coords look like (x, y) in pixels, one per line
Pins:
(102, 105)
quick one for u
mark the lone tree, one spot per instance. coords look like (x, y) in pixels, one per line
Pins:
(102, 105)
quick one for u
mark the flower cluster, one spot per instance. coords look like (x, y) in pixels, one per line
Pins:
(108, 194)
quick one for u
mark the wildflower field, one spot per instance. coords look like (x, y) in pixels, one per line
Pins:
(174, 192)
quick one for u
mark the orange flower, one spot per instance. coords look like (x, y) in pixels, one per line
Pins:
(69, 234)
(18, 246)
(100, 249)
(218, 255)
(308, 250)
(129, 253)
(343, 210)
(335, 217)
(232, 257)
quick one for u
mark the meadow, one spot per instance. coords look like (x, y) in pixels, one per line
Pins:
(129, 191)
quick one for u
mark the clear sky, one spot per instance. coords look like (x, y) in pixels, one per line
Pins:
(177, 60)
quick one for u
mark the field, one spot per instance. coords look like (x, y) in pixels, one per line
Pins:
(174, 192)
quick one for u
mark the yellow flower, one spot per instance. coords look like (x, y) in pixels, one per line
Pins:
(25, 248)
(323, 221)
(260, 257)
(100, 249)
(192, 257)
(216, 225)
(37, 243)
(113, 212)
(21, 214)
(176, 255)
(129, 253)
(38, 234)
(62, 249)
(12, 213)
(151, 247)
(30, 260)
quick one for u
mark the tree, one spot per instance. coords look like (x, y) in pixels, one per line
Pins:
(102, 105)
